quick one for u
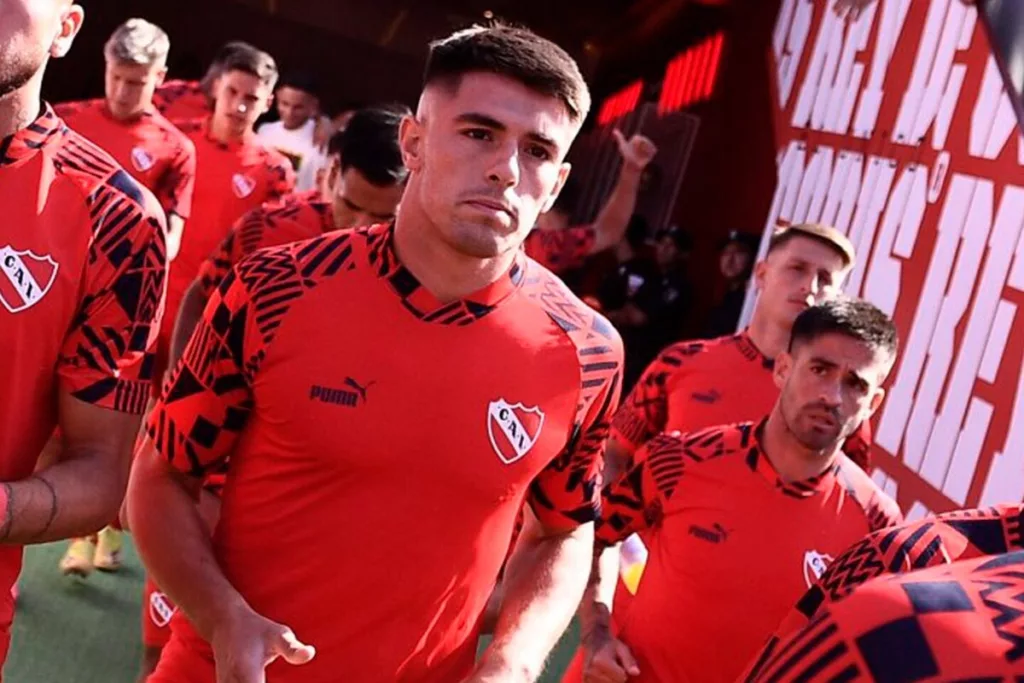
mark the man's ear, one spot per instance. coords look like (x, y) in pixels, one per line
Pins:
(410, 141)
(563, 176)
(783, 366)
(70, 25)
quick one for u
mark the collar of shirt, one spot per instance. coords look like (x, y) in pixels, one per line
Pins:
(421, 301)
(45, 131)
(759, 463)
(232, 146)
(749, 349)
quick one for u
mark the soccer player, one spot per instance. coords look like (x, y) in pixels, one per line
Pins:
(368, 175)
(696, 384)
(959, 622)
(180, 100)
(372, 383)
(561, 247)
(363, 186)
(742, 518)
(84, 266)
(159, 156)
(932, 541)
(236, 172)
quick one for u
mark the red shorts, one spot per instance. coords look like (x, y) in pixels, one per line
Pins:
(179, 664)
(157, 610)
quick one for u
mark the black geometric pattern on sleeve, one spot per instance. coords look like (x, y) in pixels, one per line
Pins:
(119, 312)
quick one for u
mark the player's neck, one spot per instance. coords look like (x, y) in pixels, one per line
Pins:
(769, 337)
(791, 459)
(21, 107)
(296, 128)
(225, 132)
(443, 271)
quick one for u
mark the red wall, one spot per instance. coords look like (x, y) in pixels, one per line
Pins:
(897, 130)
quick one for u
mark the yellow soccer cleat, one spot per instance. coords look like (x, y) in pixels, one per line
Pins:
(78, 558)
(108, 550)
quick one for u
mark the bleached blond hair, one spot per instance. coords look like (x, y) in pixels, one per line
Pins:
(140, 42)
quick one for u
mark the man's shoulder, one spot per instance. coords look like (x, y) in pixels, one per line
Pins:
(581, 323)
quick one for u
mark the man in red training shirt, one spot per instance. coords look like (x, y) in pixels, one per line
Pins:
(696, 384)
(159, 156)
(561, 247)
(956, 622)
(180, 100)
(372, 381)
(929, 542)
(236, 172)
(84, 268)
(365, 185)
(742, 518)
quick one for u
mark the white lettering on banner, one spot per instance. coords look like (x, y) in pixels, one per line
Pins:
(795, 28)
(906, 203)
(869, 207)
(894, 14)
(924, 65)
(893, 424)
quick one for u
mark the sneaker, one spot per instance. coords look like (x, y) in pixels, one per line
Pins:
(108, 550)
(78, 558)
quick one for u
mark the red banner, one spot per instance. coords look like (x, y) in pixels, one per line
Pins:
(897, 130)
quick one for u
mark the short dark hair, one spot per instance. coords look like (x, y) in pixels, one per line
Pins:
(515, 52)
(369, 144)
(252, 61)
(855, 318)
(300, 80)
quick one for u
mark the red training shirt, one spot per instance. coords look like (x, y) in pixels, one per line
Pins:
(957, 622)
(149, 147)
(182, 101)
(233, 179)
(347, 397)
(562, 249)
(929, 542)
(83, 264)
(731, 546)
(298, 217)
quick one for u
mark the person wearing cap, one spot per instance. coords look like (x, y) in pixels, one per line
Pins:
(736, 266)
(693, 385)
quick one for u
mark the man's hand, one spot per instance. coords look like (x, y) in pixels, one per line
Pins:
(246, 644)
(850, 9)
(636, 152)
(607, 659)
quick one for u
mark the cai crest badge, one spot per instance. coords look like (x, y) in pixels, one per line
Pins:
(142, 160)
(26, 278)
(513, 429)
(815, 564)
(243, 185)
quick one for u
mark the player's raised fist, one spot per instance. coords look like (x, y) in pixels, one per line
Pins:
(636, 152)
(247, 643)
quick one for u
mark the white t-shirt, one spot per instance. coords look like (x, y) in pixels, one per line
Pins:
(300, 149)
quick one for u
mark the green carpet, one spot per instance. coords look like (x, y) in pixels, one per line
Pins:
(73, 631)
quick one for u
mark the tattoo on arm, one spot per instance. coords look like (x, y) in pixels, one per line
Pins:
(53, 504)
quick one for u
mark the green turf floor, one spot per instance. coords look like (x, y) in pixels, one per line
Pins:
(73, 631)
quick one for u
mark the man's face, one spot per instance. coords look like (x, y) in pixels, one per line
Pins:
(357, 202)
(829, 386)
(485, 160)
(734, 261)
(30, 32)
(800, 274)
(130, 87)
(295, 107)
(666, 251)
(241, 99)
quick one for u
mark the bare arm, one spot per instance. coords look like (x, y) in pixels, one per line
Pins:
(175, 230)
(189, 314)
(175, 542)
(610, 225)
(543, 585)
(81, 490)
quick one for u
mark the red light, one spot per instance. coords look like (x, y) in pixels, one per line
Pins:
(716, 60)
(621, 103)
